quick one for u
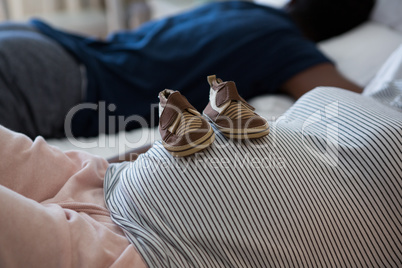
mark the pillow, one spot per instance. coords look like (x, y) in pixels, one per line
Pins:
(390, 71)
(360, 53)
(388, 12)
(274, 3)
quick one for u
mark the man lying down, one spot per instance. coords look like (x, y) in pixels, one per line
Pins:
(324, 188)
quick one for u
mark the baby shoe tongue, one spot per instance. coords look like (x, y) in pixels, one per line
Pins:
(163, 98)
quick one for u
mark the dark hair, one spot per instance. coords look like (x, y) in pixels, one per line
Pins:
(322, 19)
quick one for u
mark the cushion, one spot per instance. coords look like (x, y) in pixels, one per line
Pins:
(388, 12)
(360, 52)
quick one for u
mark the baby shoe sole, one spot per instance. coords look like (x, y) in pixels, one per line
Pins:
(189, 149)
(242, 134)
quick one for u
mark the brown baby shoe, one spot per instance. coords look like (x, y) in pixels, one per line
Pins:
(183, 130)
(232, 115)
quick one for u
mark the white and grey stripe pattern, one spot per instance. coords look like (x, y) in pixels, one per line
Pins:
(323, 189)
(389, 94)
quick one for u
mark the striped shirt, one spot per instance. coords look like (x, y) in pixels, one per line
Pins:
(324, 188)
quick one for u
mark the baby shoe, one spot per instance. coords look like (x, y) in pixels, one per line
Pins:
(183, 130)
(231, 114)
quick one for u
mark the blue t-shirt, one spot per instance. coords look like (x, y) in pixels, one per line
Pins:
(256, 46)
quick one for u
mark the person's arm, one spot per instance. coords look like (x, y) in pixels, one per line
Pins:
(130, 155)
(324, 74)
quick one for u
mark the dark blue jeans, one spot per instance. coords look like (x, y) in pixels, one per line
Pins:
(39, 82)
